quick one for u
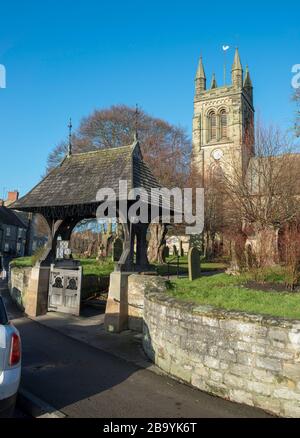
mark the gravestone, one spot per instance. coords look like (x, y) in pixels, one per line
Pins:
(117, 249)
(166, 251)
(194, 264)
(181, 251)
(175, 250)
(101, 253)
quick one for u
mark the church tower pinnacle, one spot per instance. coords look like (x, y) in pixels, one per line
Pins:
(248, 84)
(237, 70)
(213, 82)
(200, 79)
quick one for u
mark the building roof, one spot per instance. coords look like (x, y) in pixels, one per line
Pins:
(76, 181)
(9, 217)
(280, 169)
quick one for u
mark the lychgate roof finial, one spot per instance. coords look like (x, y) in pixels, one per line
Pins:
(70, 126)
(136, 119)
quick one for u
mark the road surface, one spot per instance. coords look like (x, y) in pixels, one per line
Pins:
(82, 381)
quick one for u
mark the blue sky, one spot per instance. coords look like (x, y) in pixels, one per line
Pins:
(65, 58)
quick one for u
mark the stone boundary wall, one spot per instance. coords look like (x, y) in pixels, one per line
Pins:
(18, 283)
(24, 288)
(138, 285)
(248, 359)
(29, 289)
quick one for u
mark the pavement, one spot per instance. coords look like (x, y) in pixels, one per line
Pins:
(73, 368)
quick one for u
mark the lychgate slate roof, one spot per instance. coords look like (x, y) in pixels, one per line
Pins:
(78, 178)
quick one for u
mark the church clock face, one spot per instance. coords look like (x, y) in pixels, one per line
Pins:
(217, 154)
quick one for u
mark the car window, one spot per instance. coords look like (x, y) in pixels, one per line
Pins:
(3, 315)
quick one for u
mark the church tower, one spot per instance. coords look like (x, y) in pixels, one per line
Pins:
(223, 124)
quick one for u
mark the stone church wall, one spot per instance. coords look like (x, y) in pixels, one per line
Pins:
(248, 359)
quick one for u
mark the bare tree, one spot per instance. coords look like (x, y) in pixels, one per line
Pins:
(290, 253)
(166, 148)
(264, 199)
(157, 243)
(214, 210)
(296, 98)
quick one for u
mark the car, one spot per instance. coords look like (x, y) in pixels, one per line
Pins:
(10, 364)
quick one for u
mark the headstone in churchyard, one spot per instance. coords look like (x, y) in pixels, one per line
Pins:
(181, 251)
(194, 264)
(175, 250)
(117, 249)
(166, 251)
(102, 252)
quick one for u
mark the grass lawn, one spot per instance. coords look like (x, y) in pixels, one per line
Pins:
(228, 292)
(94, 267)
(183, 266)
(219, 290)
(22, 262)
(105, 267)
(90, 266)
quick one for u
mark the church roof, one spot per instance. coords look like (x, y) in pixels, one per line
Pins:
(286, 167)
(76, 181)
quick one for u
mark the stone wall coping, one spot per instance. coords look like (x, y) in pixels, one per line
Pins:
(21, 268)
(218, 313)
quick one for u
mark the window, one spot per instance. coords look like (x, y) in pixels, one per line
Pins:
(8, 231)
(216, 172)
(18, 248)
(223, 124)
(6, 247)
(20, 233)
(212, 126)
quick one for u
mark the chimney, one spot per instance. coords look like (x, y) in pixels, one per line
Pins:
(12, 197)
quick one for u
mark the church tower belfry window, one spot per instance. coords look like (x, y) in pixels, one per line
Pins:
(212, 124)
(223, 124)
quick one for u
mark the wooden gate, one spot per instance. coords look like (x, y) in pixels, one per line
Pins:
(65, 290)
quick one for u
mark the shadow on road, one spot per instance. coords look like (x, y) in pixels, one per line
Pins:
(65, 371)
